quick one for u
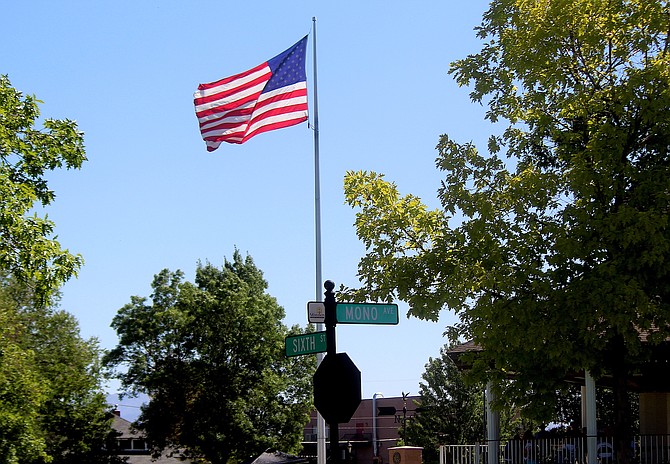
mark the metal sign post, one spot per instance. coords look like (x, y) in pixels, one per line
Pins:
(337, 380)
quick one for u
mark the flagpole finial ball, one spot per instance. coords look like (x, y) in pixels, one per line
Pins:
(329, 285)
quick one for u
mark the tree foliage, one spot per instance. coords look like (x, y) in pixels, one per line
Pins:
(558, 256)
(210, 354)
(52, 408)
(21, 393)
(28, 249)
(450, 410)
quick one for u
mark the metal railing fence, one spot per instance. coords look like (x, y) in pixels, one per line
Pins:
(646, 449)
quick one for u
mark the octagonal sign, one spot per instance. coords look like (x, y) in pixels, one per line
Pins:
(337, 388)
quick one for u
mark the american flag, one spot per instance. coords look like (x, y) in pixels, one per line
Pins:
(269, 96)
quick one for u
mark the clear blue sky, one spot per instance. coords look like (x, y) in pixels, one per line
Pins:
(151, 196)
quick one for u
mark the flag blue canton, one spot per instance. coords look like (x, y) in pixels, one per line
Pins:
(288, 67)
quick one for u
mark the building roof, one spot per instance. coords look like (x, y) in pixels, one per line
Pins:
(148, 459)
(140, 456)
(650, 375)
(125, 427)
(278, 457)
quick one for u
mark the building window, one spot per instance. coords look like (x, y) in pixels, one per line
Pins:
(139, 445)
(125, 443)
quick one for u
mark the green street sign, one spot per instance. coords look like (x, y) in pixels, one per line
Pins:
(297, 345)
(366, 313)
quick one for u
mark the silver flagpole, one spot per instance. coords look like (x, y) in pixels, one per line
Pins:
(320, 422)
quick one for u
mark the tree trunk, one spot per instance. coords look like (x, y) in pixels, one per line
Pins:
(622, 411)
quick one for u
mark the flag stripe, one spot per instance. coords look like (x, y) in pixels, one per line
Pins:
(244, 109)
(292, 95)
(230, 92)
(278, 118)
(269, 96)
(276, 122)
(230, 102)
(286, 105)
(213, 87)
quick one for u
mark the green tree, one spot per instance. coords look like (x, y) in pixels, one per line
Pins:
(52, 405)
(556, 258)
(52, 408)
(449, 409)
(211, 357)
(27, 247)
(75, 414)
(21, 394)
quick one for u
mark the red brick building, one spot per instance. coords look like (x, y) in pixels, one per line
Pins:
(373, 428)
